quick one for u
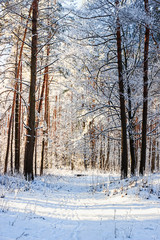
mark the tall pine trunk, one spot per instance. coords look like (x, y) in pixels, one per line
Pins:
(145, 95)
(15, 93)
(124, 154)
(30, 139)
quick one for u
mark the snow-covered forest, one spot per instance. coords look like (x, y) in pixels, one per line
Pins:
(79, 119)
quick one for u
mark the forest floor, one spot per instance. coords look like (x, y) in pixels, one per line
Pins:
(71, 206)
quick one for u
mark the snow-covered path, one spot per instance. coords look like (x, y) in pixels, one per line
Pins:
(75, 208)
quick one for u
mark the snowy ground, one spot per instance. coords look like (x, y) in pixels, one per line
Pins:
(65, 206)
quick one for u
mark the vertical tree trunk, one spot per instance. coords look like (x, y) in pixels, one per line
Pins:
(35, 157)
(137, 141)
(17, 137)
(153, 159)
(108, 154)
(100, 154)
(30, 139)
(8, 140)
(92, 144)
(42, 158)
(150, 150)
(12, 147)
(18, 122)
(46, 114)
(124, 154)
(85, 150)
(131, 139)
(145, 95)
(157, 157)
(14, 96)
(20, 116)
(17, 153)
(154, 144)
(130, 130)
(37, 122)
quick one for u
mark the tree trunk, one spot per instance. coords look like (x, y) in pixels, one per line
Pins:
(157, 157)
(35, 157)
(130, 130)
(15, 92)
(92, 144)
(124, 154)
(108, 154)
(17, 153)
(153, 159)
(42, 158)
(17, 115)
(145, 96)
(85, 152)
(30, 139)
(8, 141)
(12, 147)
(131, 139)
(46, 114)
(154, 145)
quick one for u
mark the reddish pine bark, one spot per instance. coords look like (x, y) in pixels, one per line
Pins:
(15, 93)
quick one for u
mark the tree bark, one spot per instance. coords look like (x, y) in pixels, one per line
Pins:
(8, 141)
(46, 114)
(131, 127)
(15, 92)
(17, 153)
(124, 154)
(92, 144)
(17, 137)
(30, 139)
(153, 159)
(157, 157)
(12, 147)
(108, 154)
(42, 158)
(145, 95)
